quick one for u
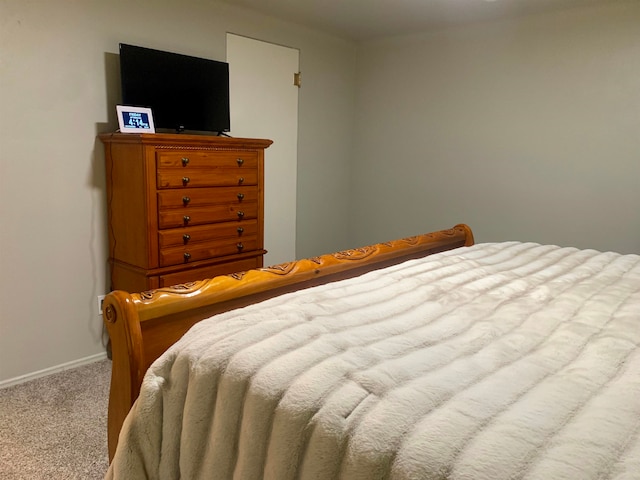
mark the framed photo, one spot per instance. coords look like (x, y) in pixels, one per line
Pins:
(135, 119)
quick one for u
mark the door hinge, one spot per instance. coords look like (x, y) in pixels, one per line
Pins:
(297, 80)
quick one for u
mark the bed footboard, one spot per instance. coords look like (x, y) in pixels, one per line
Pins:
(143, 325)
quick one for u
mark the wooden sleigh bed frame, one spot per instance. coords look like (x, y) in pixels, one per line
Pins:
(142, 326)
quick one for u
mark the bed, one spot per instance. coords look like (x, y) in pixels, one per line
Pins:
(426, 357)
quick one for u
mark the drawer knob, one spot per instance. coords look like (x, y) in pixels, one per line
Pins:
(241, 180)
(186, 200)
(187, 256)
(186, 237)
(240, 246)
(186, 218)
(240, 230)
(240, 214)
(185, 161)
(240, 196)
(240, 161)
(185, 180)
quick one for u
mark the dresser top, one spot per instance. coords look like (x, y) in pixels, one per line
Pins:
(182, 139)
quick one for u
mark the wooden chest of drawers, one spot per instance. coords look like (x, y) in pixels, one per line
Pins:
(182, 207)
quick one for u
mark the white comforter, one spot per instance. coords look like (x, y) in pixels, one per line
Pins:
(497, 361)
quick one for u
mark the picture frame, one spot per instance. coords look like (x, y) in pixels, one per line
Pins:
(135, 119)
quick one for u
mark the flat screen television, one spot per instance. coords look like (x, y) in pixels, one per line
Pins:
(184, 93)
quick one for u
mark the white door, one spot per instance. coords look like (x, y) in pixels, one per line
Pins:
(264, 104)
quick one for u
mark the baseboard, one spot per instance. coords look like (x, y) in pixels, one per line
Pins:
(51, 370)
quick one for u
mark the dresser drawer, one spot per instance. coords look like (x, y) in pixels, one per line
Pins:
(203, 251)
(187, 216)
(232, 231)
(206, 169)
(206, 196)
(190, 159)
(224, 177)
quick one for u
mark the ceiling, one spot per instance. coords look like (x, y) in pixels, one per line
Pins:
(369, 19)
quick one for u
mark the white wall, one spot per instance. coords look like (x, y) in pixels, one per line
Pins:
(526, 129)
(58, 88)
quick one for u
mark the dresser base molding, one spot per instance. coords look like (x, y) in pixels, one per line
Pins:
(135, 279)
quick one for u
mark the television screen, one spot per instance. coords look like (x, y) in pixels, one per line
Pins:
(183, 92)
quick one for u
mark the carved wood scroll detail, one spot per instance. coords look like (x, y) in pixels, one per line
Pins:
(187, 287)
(356, 253)
(281, 269)
(237, 275)
(110, 314)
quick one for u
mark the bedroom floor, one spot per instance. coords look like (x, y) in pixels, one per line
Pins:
(56, 426)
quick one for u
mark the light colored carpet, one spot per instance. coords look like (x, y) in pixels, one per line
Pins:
(55, 427)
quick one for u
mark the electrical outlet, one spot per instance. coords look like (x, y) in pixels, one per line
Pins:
(100, 302)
